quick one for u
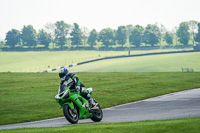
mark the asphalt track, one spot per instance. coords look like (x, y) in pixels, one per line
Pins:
(175, 105)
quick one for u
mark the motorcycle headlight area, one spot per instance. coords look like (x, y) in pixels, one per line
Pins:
(63, 95)
(66, 94)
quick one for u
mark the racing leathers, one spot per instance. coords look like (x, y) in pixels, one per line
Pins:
(75, 84)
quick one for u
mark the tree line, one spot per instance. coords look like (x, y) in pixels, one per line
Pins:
(61, 33)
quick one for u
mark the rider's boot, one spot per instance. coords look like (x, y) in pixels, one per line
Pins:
(93, 105)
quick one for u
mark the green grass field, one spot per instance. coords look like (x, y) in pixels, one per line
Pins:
(37, 61)
(187, 125)
(151, 63)
(30, 96)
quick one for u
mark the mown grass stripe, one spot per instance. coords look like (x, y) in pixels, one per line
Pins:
(30, 96)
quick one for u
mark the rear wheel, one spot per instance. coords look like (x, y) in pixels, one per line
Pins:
(71, 115)
(97, 114)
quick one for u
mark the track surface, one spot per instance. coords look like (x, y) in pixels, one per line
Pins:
(175, 105)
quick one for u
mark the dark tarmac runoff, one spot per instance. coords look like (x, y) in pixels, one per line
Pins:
(182, 104)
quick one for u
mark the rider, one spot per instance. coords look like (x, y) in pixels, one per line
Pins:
(72, 80)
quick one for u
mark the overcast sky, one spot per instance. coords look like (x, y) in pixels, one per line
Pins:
(96, 14)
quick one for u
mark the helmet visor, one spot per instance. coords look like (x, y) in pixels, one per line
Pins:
(61, 75)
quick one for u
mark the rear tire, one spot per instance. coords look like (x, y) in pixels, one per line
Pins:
(97, 115)
(70, 115)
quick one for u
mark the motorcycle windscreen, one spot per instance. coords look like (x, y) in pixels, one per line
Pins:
(61, 89)
(63, 86)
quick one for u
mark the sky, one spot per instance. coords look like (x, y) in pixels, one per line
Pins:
(96, 14)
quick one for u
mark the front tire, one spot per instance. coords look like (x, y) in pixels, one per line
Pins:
(70, 115)
(97, 115)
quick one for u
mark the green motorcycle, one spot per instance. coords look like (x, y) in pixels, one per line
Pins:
(76, 107)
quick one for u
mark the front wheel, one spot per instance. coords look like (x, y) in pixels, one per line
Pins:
(70, 115)
(97, 114)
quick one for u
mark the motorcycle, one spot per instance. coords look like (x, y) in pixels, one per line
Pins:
(76, 107)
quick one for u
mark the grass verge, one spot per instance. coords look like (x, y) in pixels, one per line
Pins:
(43, 60)
(187, 125)
(37, 61)
(151, 63)
(30, 96)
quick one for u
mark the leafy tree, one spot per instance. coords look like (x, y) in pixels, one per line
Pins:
(163, 31)
(151, 34)
(61, 32)
(92, 38)
(85, 34)
(106, 36)
(174, 31)
(50, 29)
(129, 29)
(197, 37)
(168, 38)
(192, 28)
(44, 38)
(29, 36)
(76, 35)
(183, 33)
(136, 35)
(121, 35)
(12, 38)
(2, 43)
